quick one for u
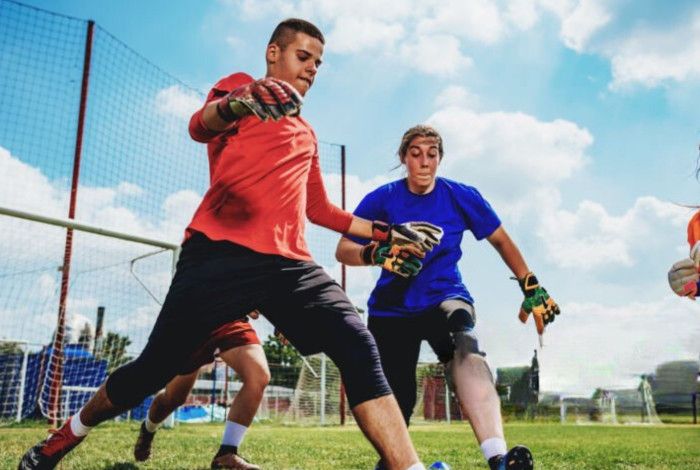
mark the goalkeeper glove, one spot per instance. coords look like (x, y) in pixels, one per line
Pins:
(425, 236)
(268, 98)
(683, 278)
(537, 302)
(392, 258)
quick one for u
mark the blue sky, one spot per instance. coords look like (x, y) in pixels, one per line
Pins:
(576, 119)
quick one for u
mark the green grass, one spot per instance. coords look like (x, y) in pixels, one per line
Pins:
(278, 447)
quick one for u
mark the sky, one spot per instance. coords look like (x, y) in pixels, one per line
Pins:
(577, 120)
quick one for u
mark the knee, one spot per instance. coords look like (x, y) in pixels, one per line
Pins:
(256, 378)
(357, 358)
(130, 384)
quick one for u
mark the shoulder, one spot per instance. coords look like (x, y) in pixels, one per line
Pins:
(457, 188)
(391, 188)
(231, 82)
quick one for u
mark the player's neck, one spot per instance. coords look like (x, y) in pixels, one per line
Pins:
(419, 190)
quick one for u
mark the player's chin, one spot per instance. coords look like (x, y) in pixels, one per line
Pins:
(302, 86)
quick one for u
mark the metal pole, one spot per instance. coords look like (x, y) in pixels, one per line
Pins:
(213, 391)
(343, 274)
(323, 389)
(448, 411)
(695, 408)
(97, 348)
(68, 252)
(22, 379)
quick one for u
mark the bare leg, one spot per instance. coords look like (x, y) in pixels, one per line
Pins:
(174, 395)
(99, 408)
(477, 395)
(381, 421)
(250, 364)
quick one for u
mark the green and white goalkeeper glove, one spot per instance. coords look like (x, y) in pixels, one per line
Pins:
(537, 302)
(392, 258)
(423, 235)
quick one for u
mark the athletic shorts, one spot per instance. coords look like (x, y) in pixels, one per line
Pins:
(217, 282)
(228, 336)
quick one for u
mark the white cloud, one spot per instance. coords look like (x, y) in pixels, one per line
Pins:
(651, 57)
(352, 35)
(455, 95)
(516, 148)
(592, 238)
(177, 101)
(523, 14)
(582, 22)
(435, 55)
(478, 20)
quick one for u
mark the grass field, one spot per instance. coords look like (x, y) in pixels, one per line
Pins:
(277, 447)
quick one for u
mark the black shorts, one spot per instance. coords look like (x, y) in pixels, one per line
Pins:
(217, 282)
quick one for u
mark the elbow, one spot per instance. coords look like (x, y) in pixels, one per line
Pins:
(338, 254)
(198, 130)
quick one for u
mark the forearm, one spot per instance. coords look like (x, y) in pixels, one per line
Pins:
(203, 126)
(360, 227)
(349, 253)
(211, 118)
(509, 252)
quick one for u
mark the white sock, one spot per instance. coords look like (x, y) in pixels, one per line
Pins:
(493, 446)
(233, 434)
(77, 427)
(416, 466)
(150, 425)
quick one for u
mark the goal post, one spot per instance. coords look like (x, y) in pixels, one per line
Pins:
(120, 276)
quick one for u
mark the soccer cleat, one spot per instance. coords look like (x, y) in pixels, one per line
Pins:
(227, 458)
(380, 465)
(47, 453)
(142, 449)
(517, 458)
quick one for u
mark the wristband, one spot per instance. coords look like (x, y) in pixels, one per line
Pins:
(366, 253)
(223, 109)
(380, 231)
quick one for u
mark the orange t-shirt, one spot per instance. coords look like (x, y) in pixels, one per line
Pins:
(265, 180)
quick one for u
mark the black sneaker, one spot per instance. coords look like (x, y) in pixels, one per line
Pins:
(517, 458)
(142, 449)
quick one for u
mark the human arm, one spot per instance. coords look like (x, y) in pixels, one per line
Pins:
(537, 301)
(510, 253)
(238, 96)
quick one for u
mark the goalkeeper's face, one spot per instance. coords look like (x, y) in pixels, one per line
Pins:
(422, 159)
(297, 63)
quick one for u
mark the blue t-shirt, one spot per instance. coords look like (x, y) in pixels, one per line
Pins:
(453, 206)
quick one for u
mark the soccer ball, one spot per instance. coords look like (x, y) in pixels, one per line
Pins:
(439, 465)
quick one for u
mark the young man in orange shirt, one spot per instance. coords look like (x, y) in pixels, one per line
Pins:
(245, 249)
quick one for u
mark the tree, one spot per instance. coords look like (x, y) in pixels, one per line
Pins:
(285, 362)
(281, 352)
(114, 351)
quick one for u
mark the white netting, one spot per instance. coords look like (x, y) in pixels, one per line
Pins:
(50, 372)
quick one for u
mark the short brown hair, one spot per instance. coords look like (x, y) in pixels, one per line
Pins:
(284, 33)
(420, 130)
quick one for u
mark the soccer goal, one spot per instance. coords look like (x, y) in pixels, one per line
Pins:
(76, 301)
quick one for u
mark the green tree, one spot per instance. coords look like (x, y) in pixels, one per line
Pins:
(114, 350)
(285, 362)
